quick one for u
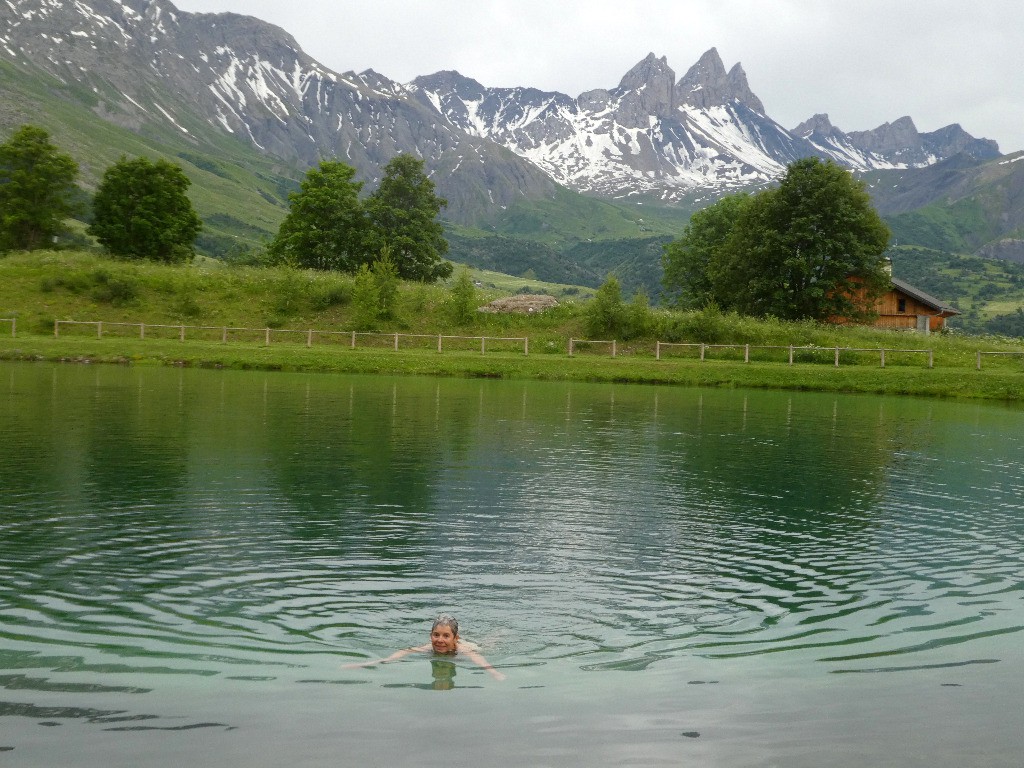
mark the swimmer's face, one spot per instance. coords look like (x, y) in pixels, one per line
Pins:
(443, 640)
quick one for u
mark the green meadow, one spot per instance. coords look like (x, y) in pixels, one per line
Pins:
(215, 302)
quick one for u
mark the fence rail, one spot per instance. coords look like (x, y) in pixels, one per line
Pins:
(792, 349)
(997, 354)
(309, 335)
(573, 344)
(14, 324)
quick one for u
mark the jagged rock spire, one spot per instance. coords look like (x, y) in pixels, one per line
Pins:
(653, 82)
(707, 84)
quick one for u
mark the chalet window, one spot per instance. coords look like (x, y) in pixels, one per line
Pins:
(901, 305)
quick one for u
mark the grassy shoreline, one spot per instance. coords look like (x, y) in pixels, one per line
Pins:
(42, 287)
(1001, 383)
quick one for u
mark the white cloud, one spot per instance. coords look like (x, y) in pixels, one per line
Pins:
(864, 62)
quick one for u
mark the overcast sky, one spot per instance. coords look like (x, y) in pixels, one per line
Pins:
(863, 62)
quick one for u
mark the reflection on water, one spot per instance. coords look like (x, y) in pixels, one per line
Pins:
(665, 575)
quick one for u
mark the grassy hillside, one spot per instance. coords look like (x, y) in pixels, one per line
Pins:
(37, 288)
(240, 194)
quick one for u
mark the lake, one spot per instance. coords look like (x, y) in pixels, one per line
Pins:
(666, 576)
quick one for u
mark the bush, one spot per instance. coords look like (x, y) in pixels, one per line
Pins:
(365, 300)
(605, 314)
(325, 296)
(462, 303)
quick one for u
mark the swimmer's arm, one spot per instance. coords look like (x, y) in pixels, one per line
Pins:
(393, 657)
(480, 661)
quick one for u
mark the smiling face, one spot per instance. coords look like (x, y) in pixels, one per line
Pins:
(443, 639)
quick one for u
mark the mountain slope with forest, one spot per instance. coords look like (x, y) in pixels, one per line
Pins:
(538, 182)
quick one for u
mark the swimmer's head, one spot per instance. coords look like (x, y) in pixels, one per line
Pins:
(444, 634)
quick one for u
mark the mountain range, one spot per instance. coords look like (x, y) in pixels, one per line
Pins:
(239, 101)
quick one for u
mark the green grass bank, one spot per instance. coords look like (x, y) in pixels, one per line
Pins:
(37, 289)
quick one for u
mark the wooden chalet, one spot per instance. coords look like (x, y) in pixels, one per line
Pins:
(904, 306)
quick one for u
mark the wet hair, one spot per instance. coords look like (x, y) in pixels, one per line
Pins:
(446, 620)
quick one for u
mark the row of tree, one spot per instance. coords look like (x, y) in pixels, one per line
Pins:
(141, 210)
(811, 248)
(328, 226)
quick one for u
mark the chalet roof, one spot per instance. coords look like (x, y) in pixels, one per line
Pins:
(921, 296)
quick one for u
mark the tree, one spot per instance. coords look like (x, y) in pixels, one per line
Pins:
(326, 226)
(403, 215)
(141, 211)
(37, 190)
(812, 248)
(690, 261)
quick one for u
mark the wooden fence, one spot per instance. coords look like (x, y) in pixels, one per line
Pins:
(999, 354)
(574, 344)
(834, 351)
(441, 342)
(14, 324)
(308, 336)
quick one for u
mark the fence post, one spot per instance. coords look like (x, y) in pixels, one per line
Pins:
(14, 326)
(309, 338)
(979, 359)
(483, 344)
(353, 339)
(931, 358)
(746, 353)
(657, 350)
(56, 329)
(883, 357)
(526, 345)
(613, 347)
(702, 346)
(439, 342)
(396, 342)
(142, 330)
(99, 330)
(837, 357)
(571, 345)
(790, 354)
(266, 337)
(181, 333)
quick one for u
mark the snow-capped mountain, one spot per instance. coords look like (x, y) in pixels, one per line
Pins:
(653, 135)
(144, 61)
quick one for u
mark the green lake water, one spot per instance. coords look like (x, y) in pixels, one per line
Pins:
(666, 576)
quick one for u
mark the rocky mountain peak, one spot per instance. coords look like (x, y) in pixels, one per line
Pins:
(898, 136)
(649, 89)
(707, 84)
(819, 124)
(450, 81)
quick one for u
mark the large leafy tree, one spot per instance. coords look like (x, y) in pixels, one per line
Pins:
(810, 248)
(403, 214)
(37, 189)
(326, 226)
(141, 211)
(691, 261)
